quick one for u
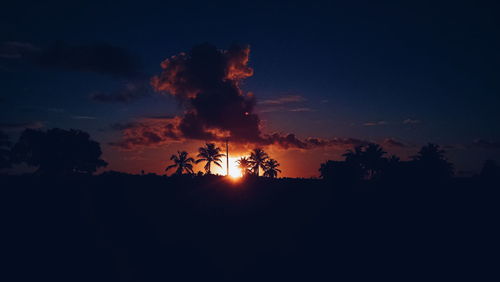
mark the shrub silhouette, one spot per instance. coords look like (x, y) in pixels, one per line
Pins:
(58, 151)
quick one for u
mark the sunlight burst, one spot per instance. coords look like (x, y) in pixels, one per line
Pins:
(234, 170)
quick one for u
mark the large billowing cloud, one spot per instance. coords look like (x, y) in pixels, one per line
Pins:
(206, 81)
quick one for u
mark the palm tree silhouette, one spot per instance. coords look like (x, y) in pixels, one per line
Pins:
(373, 159)
(209, 154)
(258, 157)
(354, 155)
(431, 162)
(370, 158)
(182, 162)
(244, 164)
(271, 168)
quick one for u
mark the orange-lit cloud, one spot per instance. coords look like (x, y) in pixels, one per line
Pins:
(206, 81)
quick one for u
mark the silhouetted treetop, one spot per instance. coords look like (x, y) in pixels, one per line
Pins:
(210, 154)
(58, 151)
(271, 168)
(5, 160)
(258, 157)
(490, 170)
(369, 158)
(182, 162)
(430, 162)
(245, 165)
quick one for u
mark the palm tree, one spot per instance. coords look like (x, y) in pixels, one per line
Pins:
(370, 158)
(431, 162)
(209, 154)
(353, 155)
(271, 168)
(258, 157)
(373, 159)
(244, 164)
(182, 162)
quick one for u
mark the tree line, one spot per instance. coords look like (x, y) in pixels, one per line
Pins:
(62, 152)
(371, 162)
(210, 154)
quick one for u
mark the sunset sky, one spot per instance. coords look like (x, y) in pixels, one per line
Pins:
(304, 80)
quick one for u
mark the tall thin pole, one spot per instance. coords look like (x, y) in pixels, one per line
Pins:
(227, 157)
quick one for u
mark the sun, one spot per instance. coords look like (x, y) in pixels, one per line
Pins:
(234, 171)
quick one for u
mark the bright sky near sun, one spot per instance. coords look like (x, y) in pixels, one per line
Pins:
(234, 171)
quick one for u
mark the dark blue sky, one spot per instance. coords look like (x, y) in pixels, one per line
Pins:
(415, 72)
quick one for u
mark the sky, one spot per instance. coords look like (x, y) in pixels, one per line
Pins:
(304, 80)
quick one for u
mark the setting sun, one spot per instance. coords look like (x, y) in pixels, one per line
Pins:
(234, 170)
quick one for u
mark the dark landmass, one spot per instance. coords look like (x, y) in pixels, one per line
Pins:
(119, 227)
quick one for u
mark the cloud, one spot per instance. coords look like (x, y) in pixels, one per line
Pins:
(147, 133)
(154, 132)
(303, 109)
(99, 58)
(286, 103)
(411, 121)
(17, 50)
(131, 91)
(390, 142)
(283, 100)
(290, 141)
(21, 125)
(375, 123)
(485, 144)
(206, 81)
(83, 117)
(123, 126)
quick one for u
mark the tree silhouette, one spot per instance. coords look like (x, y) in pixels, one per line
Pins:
(58, 151)
(5, 160)
(373, 159)
(258, 157)
(271, 168)
(430, 163)
(369, 158)
(490, 170)
(342, 171)
(393, 160)
(354, 156)
(210, 154)
(395, 170)
(244, 164)
(182, 162)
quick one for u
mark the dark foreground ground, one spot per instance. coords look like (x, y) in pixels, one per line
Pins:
(149, 228)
